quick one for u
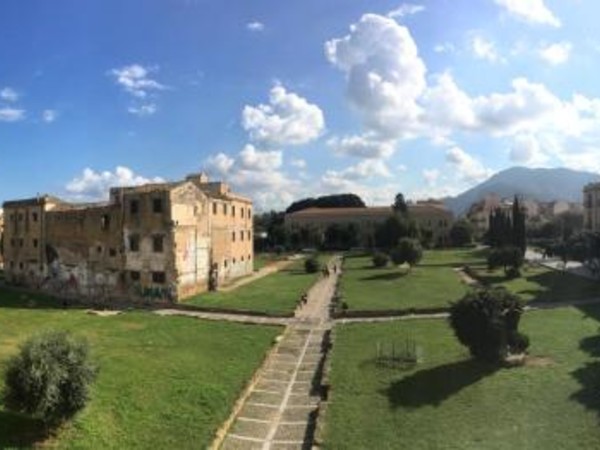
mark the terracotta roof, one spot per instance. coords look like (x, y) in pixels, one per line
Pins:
(375, 211)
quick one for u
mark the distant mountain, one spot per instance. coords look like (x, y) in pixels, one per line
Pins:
(535, 184)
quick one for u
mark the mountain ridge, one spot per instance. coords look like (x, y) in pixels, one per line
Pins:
(541, 184)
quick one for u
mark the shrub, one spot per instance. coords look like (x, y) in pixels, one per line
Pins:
(407, 251)
(486, 321)
(311, 265)
(380, 259)
(49, 378)
(509, 257)
(461, 233)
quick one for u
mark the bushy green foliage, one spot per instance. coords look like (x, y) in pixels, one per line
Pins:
(510, 258)
(311, 265)
(407, 251)
(461, 233)
(380, 259)
(49, 378)
(486, 321)
(327, 201)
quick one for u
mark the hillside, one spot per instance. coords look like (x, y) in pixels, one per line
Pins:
(535, 184)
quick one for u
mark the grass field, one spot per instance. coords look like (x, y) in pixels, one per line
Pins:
(449, 402)
(432, 283)
(164, 382)
(274, 294)
(542, 284)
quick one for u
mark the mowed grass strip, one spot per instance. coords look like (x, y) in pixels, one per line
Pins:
(538, 283)
(164, 382)
(432, 283)
(275, 294)
(449, 402)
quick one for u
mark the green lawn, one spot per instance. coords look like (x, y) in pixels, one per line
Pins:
(164, 382)
(432, 283)
(542, 284)
(449, 402)
(275, 294)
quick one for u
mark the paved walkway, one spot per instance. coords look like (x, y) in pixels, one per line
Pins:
(281, 407)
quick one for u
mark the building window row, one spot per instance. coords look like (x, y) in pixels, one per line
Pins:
(158, 243)
(157, 206)
(244, 212)
(243, 233)
(157, 277)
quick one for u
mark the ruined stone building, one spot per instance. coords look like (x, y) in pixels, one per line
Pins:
(163, 241)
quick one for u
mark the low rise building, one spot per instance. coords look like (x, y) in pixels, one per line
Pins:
(429, 215)
(162, 240)
(591, 207)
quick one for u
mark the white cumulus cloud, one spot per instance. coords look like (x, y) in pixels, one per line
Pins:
(531, 11)
(135, 79)
(363, 146)
(485, 49)
(252, 159)
(288, 119)
(385, 75)
(8, 114)
(255, 26)
(406, 9)
(557, 53)
(92, 185)
(467, 167)
(9, 94)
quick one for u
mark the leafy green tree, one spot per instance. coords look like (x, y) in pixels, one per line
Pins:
(390, 231)
(510, 258)
(518, 231)
(486, 321)
(461, 233)
(380, 259)
(327, 201)
(400, 206)
(407, 251)
(49, 378)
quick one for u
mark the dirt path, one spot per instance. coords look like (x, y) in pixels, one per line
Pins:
(281, 407)
(263, 272)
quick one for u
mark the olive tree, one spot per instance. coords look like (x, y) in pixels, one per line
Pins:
(49, 378)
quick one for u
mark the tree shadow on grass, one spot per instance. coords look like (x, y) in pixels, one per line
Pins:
(589, 378)
(389, 276)
(433, 386)
(18, 431)
(592, 311)
(591, 345)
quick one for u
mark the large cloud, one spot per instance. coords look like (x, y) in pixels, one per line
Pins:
(288, 119)
(385, 74)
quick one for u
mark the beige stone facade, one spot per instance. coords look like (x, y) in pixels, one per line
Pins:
(591, 207)
(158, 241)
(428, 215)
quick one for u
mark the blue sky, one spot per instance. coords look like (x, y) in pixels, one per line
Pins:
(290, 99)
